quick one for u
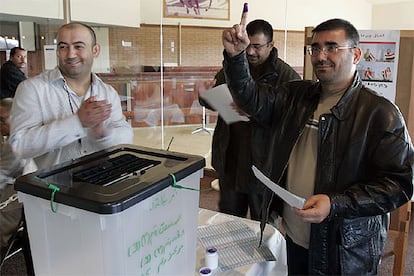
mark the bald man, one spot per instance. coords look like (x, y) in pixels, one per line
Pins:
(65, 113)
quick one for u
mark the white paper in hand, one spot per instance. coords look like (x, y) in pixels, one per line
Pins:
(291, 199)
(220, 99)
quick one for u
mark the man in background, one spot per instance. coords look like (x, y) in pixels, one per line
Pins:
(12, 72)
(65, 113)
(237, 146)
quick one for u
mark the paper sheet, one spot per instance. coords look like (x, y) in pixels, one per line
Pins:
(291, 199)
(220, 99)
(236, 244)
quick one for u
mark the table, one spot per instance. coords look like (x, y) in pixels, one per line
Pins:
(272, 238)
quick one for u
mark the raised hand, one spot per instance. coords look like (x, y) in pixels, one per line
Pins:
(235, 40)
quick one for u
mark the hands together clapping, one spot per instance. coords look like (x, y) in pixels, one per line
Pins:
(92, 113)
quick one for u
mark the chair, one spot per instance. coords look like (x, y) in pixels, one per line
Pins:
(399, 226)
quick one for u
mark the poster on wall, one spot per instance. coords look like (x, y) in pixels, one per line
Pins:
(199, 9)
(379, 62)
(50, 57)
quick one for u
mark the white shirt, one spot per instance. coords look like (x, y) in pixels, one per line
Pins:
(44, 126)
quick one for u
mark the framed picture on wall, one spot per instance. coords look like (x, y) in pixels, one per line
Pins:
(198, 9)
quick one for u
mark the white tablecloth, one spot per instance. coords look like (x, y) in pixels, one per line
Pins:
(272, 238)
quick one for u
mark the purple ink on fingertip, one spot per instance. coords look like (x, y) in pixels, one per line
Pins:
(246, 7)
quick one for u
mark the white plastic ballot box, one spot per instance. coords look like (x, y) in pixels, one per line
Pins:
(105, 214)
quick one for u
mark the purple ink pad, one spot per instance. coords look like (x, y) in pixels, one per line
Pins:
(205, 271)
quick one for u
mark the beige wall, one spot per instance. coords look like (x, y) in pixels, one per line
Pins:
(283, 14)
(197, 42)
(39, 8)
(199, 46)
(398, 16)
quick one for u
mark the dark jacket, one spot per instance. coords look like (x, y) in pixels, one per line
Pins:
(365, 163)
(10, 77)
(271, 73)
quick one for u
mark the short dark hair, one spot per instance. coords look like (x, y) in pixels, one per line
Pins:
(336, 24)
(260, 26)
(74, 24)
(14, 49)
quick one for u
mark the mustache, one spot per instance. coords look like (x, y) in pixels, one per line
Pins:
(324, 63)
(71, 60)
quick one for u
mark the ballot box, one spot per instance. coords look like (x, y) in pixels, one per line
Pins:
(125, 210)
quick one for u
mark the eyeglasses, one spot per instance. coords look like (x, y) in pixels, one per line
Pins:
(329, 49)
(257, 46)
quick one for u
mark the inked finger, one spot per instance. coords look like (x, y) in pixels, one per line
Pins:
(243, 21)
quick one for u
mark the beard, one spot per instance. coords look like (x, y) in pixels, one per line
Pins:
(324, 70)
(74, 68)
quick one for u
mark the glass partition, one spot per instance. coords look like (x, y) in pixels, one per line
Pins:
(156, 69)
(166, 114)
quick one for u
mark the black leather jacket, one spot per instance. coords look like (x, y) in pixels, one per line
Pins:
(10, 77)
(271, 73)
(365, 163)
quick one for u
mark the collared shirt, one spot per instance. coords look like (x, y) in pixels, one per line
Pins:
(45, 126)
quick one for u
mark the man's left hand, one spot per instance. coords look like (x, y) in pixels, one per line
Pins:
(315, 209)
(93, 112)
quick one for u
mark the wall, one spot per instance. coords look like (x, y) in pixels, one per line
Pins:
(282, 14)
(196, 45)
(102, 63)
(38, 8)
(405, 79)
(200, 46)
(108, 12)
(398, 16)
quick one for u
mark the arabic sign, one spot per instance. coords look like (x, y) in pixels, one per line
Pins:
(379, 62)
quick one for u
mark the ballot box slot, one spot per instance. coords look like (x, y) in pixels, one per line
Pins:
(114, 169)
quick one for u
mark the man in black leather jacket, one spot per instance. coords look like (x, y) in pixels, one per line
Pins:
(336, 143)
(235, 146)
